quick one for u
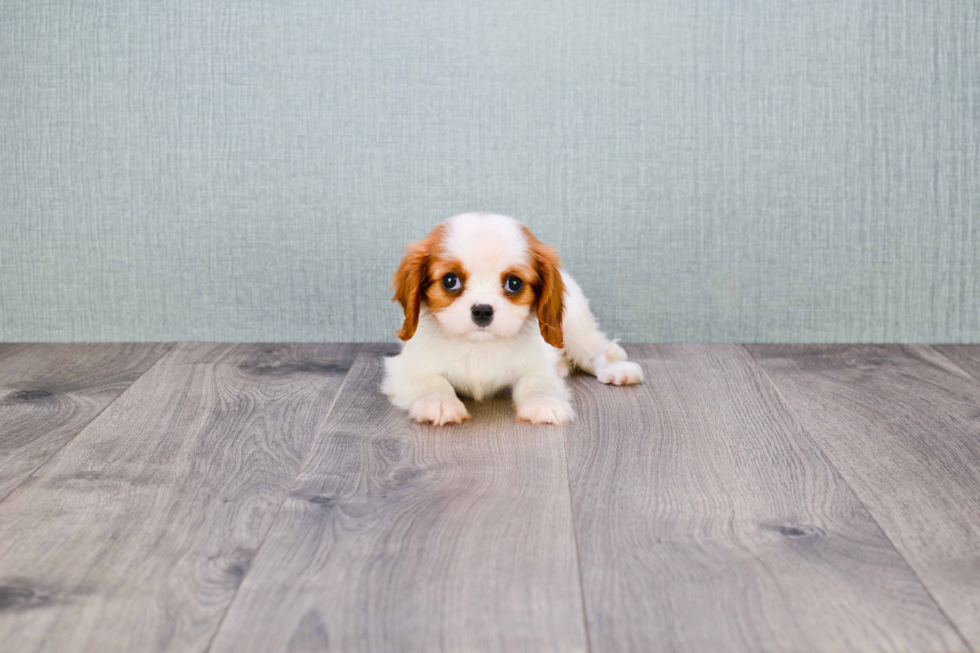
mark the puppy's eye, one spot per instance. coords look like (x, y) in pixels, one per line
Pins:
(513, 284)
(451, 282)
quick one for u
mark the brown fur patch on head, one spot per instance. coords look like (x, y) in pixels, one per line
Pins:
(436, 296)
(549, 290)
(529, 276)
(412, 279)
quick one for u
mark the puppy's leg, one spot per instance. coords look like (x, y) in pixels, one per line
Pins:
(426, 397)
(588, 347)
(541, 397)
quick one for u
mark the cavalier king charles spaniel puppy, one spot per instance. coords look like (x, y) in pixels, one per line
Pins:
(487, 307)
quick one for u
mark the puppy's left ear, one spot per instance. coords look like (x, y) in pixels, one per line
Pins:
(550, 290)
(411, 279)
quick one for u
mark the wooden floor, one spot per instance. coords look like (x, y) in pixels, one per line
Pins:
(268, 498)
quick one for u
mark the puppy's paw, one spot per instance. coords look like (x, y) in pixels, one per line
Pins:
(545, 410)
(620, 373)
(438, 409)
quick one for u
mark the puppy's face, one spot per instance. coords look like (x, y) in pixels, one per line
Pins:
(482, 277)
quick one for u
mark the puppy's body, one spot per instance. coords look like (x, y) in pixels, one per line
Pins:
(479, 267)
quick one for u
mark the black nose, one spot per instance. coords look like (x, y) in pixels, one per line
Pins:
(482, 314)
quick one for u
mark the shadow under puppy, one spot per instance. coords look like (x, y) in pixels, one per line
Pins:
(487, 307)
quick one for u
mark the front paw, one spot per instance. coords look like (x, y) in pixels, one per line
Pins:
(620, 373)
(438, 409)
(545, 410)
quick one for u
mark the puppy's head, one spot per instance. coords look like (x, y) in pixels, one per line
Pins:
(481, 275)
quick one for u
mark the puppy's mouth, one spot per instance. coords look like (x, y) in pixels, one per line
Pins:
(481, 335)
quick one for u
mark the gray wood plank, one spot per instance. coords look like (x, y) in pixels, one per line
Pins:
(708, 520)
(400, 537)
(50, 392)
(136, 535)
(966, 356)
(902, 425)
(273, 358)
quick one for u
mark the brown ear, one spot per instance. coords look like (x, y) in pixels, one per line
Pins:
(411, 280)
(550, 291)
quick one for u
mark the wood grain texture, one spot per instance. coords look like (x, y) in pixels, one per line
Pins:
(400, 537)
(50, 392)
(902, 424)
(135, 536)
(707, 519)
(965, 356)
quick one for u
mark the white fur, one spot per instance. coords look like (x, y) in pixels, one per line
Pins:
(487, 245)
(449, 354)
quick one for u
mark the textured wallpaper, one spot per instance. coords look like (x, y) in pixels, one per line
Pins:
(726, 170)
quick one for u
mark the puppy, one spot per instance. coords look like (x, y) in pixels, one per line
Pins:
(487, 306)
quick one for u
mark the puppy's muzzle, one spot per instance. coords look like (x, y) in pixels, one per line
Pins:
(482, 314)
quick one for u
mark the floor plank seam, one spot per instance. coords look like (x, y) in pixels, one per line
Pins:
(285, 497)
(954, 363)
(164, 354)
(847, 482)
(578, 558)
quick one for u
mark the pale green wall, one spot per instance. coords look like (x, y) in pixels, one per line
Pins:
(721, 170)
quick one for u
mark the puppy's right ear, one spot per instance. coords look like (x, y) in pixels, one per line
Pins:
(412, 278)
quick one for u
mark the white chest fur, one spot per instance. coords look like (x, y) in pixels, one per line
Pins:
(477, 369)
